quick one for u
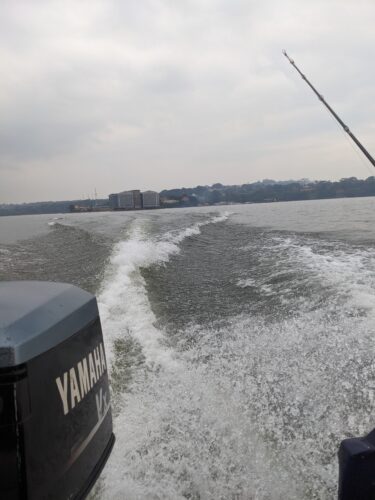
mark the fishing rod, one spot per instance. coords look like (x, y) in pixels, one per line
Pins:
(335, 115)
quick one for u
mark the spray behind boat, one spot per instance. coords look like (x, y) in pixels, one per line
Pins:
(356, 455)
(55, 415)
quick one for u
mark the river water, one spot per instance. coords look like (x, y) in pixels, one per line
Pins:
(240, 339)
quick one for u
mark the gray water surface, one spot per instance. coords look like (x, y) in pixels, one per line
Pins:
(240, 340)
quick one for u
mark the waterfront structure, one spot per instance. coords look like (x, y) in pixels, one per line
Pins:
(126, 200)
(137, 198)
(134, 200)
(113, 201)
(150, 199)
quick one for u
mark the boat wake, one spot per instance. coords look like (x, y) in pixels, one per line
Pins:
(124, 306)
(247, 405)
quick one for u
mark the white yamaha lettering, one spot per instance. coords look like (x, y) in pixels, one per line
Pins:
(78, 381)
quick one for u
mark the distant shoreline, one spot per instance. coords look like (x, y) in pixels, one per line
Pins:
(266, 191)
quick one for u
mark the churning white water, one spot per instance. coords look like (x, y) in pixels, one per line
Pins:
(240, 343)
(251, 405)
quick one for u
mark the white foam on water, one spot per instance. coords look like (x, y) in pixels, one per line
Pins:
(123, 303)
(253, 283)
(179, 235)
(190, 433)
(246, 283)
(349, 270)
(254, 411)
(55, 223)
(251, 409)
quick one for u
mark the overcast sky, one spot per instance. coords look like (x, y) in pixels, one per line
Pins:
(153, 94)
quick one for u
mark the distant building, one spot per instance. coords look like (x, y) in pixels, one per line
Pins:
(150, 199)
(137, 199)
(134, 200)
(113, 201)
(126, 200)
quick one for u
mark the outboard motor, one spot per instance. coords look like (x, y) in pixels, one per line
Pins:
(55, 415)
(357, 468)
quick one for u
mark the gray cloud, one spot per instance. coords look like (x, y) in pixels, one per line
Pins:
(159, 93)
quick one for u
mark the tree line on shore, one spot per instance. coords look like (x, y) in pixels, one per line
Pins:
(269, 191)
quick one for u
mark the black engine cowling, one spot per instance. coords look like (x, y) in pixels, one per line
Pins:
(55, 416)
